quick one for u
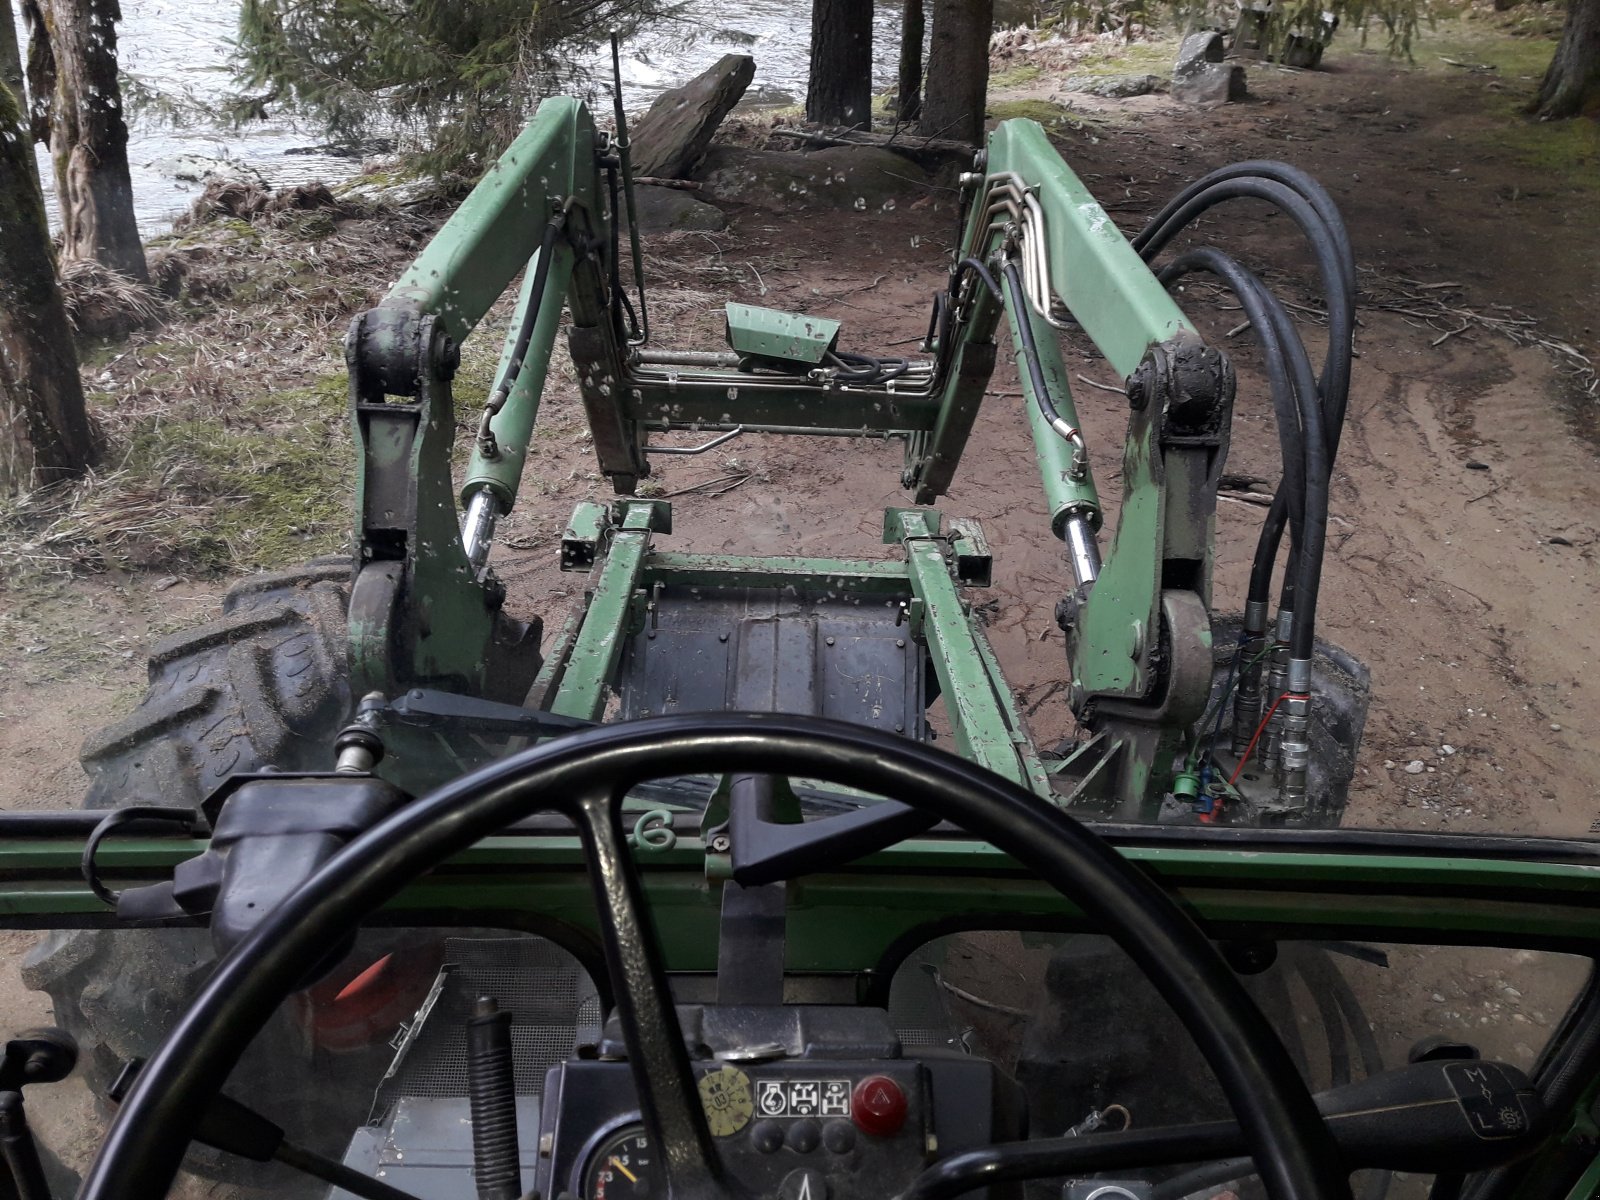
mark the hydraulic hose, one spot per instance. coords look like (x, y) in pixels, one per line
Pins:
(1030, 352)
(1330, 248)
(1313, 210)
(1302, 436)
(530, 312)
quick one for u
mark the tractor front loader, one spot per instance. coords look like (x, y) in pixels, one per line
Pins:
(325, 700)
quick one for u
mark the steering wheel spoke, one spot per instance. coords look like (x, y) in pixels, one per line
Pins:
(668, 1099)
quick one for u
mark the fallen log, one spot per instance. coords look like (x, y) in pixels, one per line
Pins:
(909, 145)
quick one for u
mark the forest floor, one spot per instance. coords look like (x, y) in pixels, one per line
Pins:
(1462, 562)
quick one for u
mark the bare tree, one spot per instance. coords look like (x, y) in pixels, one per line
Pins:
(1572, 83)
(958, 69)
(840, 88)
(908, 103)
(11, 73)
(72, 70)
(44, 430)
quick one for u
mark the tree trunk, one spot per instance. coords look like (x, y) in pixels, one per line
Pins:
(44, 430)
(840, 89)
(11, 75)
(908, 106)
(958, 70)
(88, 137)
(1572, 84)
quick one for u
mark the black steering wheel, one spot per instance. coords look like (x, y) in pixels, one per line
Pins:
(585, 776)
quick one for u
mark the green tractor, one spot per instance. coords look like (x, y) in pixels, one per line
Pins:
(381, 893)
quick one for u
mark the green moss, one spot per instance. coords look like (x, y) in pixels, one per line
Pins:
(273, 475)
(1015, 76)
(1564, 152)
(1567, 152)
(1139, 58)
(1046, 112)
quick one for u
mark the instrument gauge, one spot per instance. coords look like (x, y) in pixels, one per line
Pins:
(624, 1167)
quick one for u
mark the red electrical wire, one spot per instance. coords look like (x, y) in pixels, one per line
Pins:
(1234, 778)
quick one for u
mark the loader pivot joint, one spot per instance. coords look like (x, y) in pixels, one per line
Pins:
(388, 350)
(1191, 383)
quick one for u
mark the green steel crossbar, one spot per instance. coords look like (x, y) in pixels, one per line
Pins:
(592, 663)
(848, 917)
(985, 725)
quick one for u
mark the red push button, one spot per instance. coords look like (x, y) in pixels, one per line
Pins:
(878, 1106)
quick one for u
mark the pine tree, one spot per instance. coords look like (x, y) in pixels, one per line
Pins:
(457, 78)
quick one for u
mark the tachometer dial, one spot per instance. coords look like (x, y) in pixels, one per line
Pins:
(623, 1167)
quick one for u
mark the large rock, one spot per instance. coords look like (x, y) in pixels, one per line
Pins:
(1203, 47)
(1113, 87)
(840, 177)
(664, 209)
(198, 168)
(671, 137)
(1201, 77)
(1208, 84)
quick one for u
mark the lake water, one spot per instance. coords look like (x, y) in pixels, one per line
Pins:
(183, 47)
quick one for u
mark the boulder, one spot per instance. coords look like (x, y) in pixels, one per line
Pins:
(1114, 87)
(663, 209)
(839, 177)
(1203, 47)
(1209, 83)
(198, 168)
(669, 139)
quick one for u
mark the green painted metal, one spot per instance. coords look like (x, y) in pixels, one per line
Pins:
(580, 541)
(966, 380)
(592, 663)
(473, 258)
(1120, 624)
(1066, 491)
(784, 337)
(983, 724)
(846, 919)
(856, 575)
(734, 399)
(1096, 273)
(513, 424)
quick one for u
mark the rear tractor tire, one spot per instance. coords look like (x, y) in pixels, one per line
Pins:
(267, 684)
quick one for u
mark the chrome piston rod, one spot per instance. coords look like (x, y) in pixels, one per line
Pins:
(477, 527)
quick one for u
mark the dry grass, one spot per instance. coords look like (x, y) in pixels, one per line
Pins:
(225, 426)
(101, 302)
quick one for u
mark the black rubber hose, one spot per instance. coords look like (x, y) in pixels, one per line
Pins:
(1330, 248)
(1285, 400)
(978, 268)
(1319, 463)
(1030, 349)
(866, 369)
(1279, 172)
(143, 1148)
(1306, 464)
(530, 315)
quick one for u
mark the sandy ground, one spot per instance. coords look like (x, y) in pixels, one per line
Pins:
(1461, 562)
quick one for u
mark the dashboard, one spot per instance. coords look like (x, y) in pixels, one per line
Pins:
(803, 1104)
